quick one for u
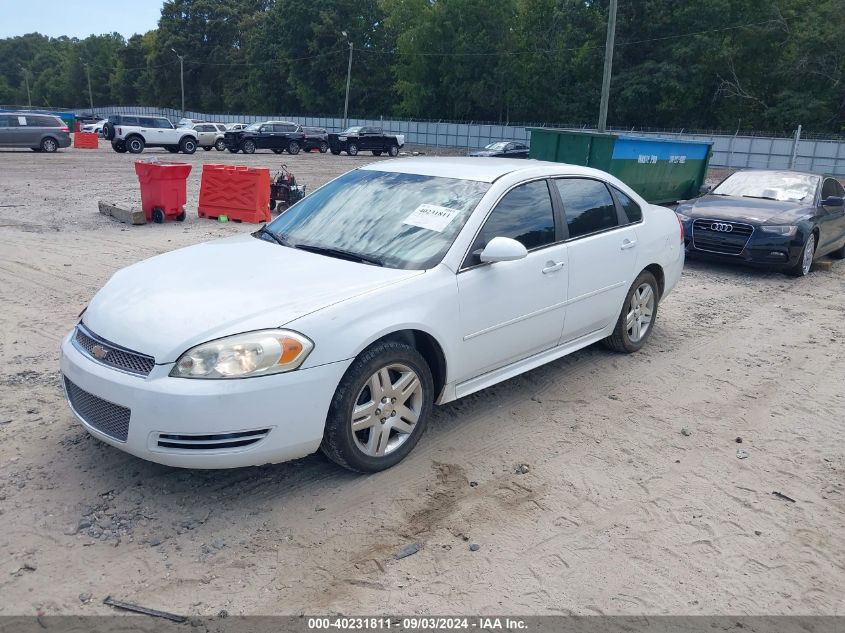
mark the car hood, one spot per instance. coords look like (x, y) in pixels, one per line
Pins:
(164, 305)
(750, 210)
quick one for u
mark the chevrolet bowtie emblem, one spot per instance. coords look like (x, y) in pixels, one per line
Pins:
(99, 352)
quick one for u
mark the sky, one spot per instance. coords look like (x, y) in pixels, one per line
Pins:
(78, 19)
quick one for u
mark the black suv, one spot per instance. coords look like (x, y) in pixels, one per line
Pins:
(278, 136)
(316, 138)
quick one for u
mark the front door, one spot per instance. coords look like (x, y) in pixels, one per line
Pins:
(602, 256)
(831, 219)
(511, 310)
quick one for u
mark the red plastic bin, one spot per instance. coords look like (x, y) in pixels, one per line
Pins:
(164, 189)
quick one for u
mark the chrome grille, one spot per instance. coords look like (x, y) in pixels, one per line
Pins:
(211, 442)
(115, 356)
(105, 416)
(707, 236)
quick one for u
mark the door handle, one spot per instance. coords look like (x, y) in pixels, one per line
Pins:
(628, 244)
(552, 267)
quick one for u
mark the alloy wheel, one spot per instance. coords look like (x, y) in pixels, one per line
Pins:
(386, 410)
(807, 257)
(640, 312)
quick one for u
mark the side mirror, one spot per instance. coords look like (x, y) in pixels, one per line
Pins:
(833, 201)
(705, 189)
(502, 249)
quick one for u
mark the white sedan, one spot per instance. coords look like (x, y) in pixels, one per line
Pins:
(397, 286)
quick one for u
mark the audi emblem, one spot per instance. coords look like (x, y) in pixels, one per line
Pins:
(721, 227)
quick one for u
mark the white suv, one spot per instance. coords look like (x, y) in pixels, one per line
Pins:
(134, 133)
(210, 135)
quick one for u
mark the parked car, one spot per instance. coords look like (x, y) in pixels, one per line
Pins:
(316, 138)
(133, 133)
(781, 220)
(366, 139)
(95, 126)
(236, 126)
(211, 135)
(503, 149)
(278, 136)
(337, 326)
(40, 132)
(188, 123)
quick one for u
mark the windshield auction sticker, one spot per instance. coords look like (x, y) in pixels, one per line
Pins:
(431, 217)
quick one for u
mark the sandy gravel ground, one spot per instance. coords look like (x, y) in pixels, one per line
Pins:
(634, 500)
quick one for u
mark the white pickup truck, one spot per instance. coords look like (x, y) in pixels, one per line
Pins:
(130, 133)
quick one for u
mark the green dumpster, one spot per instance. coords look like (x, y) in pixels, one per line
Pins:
(660, 170)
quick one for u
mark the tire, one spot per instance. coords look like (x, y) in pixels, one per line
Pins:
(158, 216)
(352, 149)
(188, 145)
(206, 148)
(293, 148)
(135, 144)
(220, 145)
(108, 131)
(352, 449)
(248, 147)
(393, 150)
(805, 261)
(335, 152)
(119, 147)
(638, 304)
(277, 151)
(324, 147)
(376, 152)
(49, 145)
(172, 148)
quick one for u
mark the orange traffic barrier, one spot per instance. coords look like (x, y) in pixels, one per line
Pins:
(241, 193)
(86, 140)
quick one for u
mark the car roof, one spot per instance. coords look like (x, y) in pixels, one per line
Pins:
(786, 172)
(479, 169)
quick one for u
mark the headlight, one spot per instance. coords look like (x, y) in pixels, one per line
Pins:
(683, 216)
(785, 229)
(245, 355)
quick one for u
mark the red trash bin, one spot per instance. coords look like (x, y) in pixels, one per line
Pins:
(164, 189)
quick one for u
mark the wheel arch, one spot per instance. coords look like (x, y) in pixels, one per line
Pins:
(659, 275)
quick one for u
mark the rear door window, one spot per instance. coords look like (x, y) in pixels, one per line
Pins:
(587, 206)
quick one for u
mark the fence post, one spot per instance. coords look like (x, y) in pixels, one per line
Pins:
(795, 147)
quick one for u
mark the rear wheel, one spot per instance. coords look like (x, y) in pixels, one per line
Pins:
(172, 148)
(352, 149)
(220, 145)
(49, 145)
(636, 320)
(135, 144)
(119, 147)
(293, 148)
(248, 147)
(380, 408)
(188, 145)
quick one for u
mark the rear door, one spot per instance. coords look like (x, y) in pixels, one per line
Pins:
(18, 134)
(602, 255)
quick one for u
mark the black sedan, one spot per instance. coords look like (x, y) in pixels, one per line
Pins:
(503, 149)
(775, 219)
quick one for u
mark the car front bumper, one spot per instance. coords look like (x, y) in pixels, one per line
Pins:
(284, 413)
(764, 250)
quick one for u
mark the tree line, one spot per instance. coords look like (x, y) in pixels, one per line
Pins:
(694, 64)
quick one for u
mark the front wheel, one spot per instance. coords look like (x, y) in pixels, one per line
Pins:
(636, 320)
(248, 147)
(805, 262)
(352, 149)
(187, 145)
(380, 408)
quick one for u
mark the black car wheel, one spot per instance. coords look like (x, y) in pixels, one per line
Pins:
(187, 145)
(805, 260)
(49, 145)
(293, 148)
(637, 317)
(248, 147)
(324, 147)
(135, 144)
(119, 147)
(352, 149)
(220, 145)
(393, 150)
(380, 408)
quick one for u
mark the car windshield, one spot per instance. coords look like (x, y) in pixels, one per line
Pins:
(253, 127)
(351, 130)
(770, 185)
(499, 145)
(398, 220)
